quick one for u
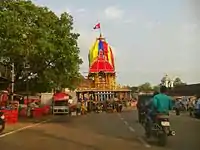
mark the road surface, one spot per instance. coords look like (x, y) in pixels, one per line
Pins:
(100, 132)
(187, 132)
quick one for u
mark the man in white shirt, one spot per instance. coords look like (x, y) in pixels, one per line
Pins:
(70, 101)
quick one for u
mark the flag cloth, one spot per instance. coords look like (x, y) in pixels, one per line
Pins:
(97, 26)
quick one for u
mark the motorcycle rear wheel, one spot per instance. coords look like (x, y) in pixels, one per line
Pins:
(162, 139)
(147, 130)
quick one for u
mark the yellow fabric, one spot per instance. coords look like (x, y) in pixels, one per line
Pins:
(109, 55)
(93, 54)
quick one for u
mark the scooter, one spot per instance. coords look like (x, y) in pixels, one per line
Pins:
(2, 122)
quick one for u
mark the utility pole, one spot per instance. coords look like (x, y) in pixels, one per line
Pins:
(12, 80)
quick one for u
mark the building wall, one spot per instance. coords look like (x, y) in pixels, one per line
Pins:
(186, 90)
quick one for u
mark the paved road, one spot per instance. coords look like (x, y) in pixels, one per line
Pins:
(187, 132)
(99, 132)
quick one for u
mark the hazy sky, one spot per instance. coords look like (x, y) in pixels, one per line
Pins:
(150, 37)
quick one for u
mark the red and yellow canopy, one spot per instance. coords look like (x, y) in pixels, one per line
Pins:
(101, 57)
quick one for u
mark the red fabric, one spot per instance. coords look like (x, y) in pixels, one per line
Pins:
(105, 50)
(101, 65)
(37, 112)
(97, 26)
(27, 101)
(60, 96)
(23, 113)
(46, 110)
(112, 59)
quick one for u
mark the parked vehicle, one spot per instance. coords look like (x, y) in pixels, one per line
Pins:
(60, 103)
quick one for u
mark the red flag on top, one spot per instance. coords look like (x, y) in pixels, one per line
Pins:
(97, 26)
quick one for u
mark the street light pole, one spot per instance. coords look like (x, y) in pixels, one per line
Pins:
(26, 66)
(12, 80)
(27, 77)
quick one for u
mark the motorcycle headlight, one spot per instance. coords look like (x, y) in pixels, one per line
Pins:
(2, 117)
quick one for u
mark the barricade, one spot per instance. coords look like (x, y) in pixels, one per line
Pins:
(46, 109)
(37, 112)
(23, 112)
(11, 116)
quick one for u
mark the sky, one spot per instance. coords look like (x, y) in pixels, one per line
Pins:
(150, 38)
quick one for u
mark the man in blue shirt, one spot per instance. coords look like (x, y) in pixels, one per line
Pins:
(161, 102)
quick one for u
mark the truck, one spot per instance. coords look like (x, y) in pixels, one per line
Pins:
(60, 103)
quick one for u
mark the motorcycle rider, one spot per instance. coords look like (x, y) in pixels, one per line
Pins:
(149, 104)
(160, 104)
(141, 108)
(191, 106)
(149, 114)
(197, 107)
(177, 106)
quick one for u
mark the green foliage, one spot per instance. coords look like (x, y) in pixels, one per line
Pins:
(178, 82)
(156, 88)
(134, 89)
(146, 87)
(37, 36)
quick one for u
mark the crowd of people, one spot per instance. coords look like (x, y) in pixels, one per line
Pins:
(99, 106)
(188, 104)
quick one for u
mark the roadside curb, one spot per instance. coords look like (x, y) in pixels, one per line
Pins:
(30, 125)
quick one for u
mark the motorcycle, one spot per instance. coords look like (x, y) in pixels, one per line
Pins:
(160, 129)
(2, 122)
(99, 108)
(177, 110)
(119, 106)
(142, 117)
(110, 108)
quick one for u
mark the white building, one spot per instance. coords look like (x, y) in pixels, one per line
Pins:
(167, 81)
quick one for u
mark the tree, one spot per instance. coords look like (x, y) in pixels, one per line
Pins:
(34, 36)
(156, 88)
(178, 82)
(134, 89)
(165, 80)
(146, 87)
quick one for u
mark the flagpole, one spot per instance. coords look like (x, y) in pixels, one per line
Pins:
(100, 31)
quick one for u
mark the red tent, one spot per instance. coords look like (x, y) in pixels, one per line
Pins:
(60, 96)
